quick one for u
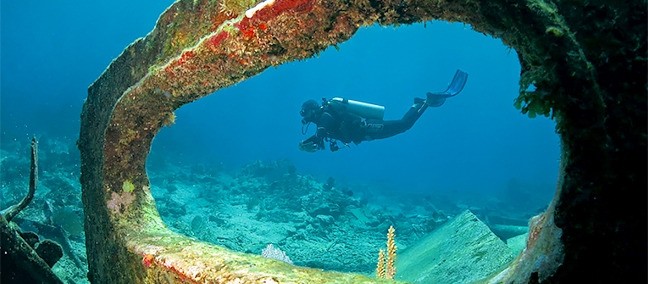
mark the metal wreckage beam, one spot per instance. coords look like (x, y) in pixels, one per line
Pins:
(587, 61)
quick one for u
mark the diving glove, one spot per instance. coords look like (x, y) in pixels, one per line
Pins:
(308, 146)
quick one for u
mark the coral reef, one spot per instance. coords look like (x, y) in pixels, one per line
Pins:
(270, 202)
(586, 60)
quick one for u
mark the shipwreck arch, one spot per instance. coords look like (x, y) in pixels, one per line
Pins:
(596, 92)
(228, 114)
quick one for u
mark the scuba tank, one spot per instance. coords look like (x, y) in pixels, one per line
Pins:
(365, 110)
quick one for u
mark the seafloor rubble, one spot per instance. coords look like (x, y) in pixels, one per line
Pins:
(318, 225)
(317, 222)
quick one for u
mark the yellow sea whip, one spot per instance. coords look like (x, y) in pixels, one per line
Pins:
(380, 270)
(390, 270)
(385, 268)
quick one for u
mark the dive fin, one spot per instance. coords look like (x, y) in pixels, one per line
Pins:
(455, 87)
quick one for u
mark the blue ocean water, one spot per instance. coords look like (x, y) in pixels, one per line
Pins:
(475, 147)
(474, 144)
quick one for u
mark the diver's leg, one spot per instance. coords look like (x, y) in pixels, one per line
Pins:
(414, 113)
(384, 129)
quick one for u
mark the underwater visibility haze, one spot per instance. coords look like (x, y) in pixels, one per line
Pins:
(229, 170)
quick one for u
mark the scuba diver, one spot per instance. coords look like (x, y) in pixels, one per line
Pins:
(349, 121)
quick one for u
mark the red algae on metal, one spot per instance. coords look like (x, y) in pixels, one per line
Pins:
(535, 227)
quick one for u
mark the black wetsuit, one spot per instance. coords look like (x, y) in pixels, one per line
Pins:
(336, 124)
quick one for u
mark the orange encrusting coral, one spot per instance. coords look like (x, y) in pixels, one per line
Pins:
(248, 33)
(216, 40)
(187, 55)
(147, 260)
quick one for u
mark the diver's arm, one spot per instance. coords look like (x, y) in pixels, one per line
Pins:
(316, 142)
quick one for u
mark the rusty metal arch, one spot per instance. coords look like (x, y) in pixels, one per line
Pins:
(200, 46)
